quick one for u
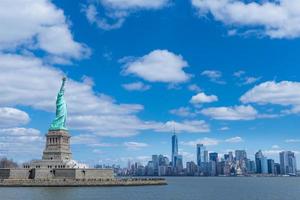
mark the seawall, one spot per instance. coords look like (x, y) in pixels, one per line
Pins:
(81, 182)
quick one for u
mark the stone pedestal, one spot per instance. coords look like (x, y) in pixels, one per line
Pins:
(57, 146)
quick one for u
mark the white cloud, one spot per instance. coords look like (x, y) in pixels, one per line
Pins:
(194, 88)
(116, 11)
(245, 80)
(276, 19)
(135, 4)
(21, 134)
(236, 139)
(38, 25)
(183, 112)
(26, 81)
(285, 93)
(135, 145)
(272, 152)
(212, 141)
(292, 140)
(231, 113)
(275, 146)
(113, 125)
(205, 141)
(203, 98)
(214, 76)
(136, 86)
(192, 126)
(251, 80)
(21, 142)
(239, 74)
(98, 151)
(84, 139)
(93, 17)
(187, 156)
(90, 140)
(224, 128)
(11, 117)
(158, 66)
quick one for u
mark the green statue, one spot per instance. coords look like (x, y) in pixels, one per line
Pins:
(59, 123)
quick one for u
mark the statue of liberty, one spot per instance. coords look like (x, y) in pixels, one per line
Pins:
(59, 123)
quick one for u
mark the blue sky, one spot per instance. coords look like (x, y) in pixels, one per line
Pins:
(223, 73)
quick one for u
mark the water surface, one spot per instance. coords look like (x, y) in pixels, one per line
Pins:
(181, 188)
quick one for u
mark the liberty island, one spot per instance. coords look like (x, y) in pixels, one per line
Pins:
(56, 168)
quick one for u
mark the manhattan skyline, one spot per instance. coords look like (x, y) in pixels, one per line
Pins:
(232, 163)
(138, 70)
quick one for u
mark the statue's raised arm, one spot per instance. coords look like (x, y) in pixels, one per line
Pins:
(62, 88)
(59, 123)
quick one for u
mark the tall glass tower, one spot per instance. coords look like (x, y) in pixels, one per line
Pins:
(200, 154)
(287, 162)
(174, 149)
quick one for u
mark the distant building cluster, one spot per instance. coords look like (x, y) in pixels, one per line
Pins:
(211, 164)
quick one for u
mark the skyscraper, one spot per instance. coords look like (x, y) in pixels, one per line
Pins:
(200, 154)
(205, 156)
(179, 163)
(155, 162)
(240, 155)
(287, 162)
(258, 157)
(230, 156)
(191, 168)
(264, 165)
(174, 149)
(213, 157)
(271, 166)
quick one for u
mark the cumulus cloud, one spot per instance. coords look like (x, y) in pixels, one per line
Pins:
(115, 12)
(250, 80)
(212, 141)
(239, 73)
(26, 81)
(276, 19)
(194, 88)
(136, 86)
(292, 140)
(236, 139)
(21, 134)
(187, 126)
(113, 125)
(134, 4)
(12, 117)
(89, 140)
(203, 98)
(38, 25)
(285, 93)
(205, 141)
(231, 113)
(135, 145)
(158, 66)
(245, 80)
(275, 146)
(21, 142)
(224, 128)
(214, 76)
(275, 152)
(183, 112)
